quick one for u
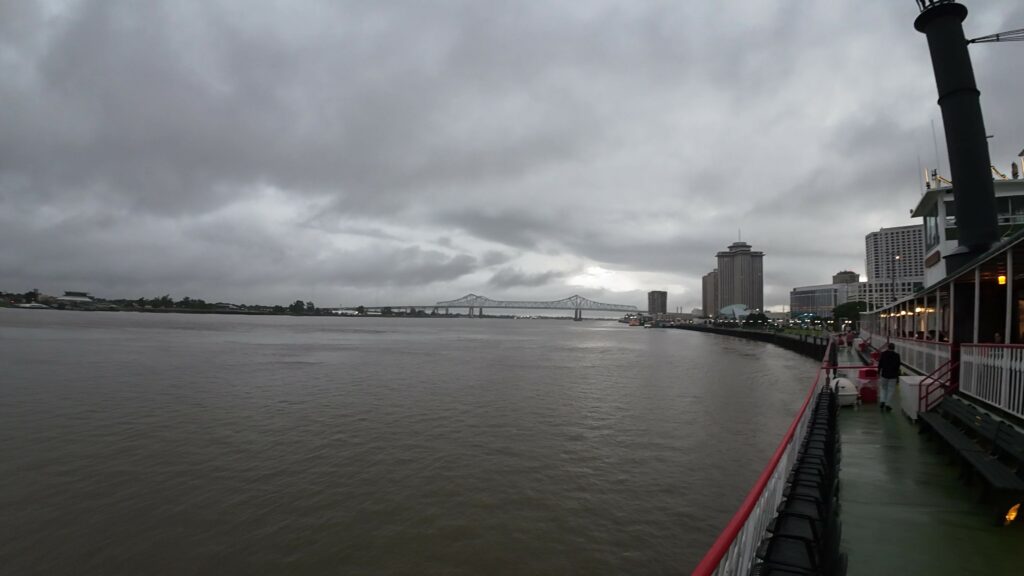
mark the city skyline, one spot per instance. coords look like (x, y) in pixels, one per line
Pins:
(365, 154)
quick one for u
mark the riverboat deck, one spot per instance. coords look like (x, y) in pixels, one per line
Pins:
(904, 509)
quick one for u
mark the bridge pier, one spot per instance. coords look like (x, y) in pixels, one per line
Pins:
(577, 315)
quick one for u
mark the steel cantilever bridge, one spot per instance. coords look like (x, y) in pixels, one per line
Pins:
(575, 302)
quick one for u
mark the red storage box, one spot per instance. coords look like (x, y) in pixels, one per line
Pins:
(867, 373)
(868, 395)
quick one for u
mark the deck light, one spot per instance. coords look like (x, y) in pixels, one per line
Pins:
(1011, 514)
(1002, 279)
(918, 310)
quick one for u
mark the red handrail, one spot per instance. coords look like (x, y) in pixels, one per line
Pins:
(932, 382)
(718, 550)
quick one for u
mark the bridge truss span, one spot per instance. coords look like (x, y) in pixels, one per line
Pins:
(574, 302)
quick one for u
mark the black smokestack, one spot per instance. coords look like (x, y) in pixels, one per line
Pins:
(942, 22)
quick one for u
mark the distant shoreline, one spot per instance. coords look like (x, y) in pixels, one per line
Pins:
(262, 313)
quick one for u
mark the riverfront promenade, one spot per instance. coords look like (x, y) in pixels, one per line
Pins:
(904, 509)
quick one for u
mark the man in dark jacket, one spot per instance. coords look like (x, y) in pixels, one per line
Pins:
(888, 375)
(833, 356)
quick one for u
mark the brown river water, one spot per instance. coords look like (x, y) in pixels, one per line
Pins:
(184, 444)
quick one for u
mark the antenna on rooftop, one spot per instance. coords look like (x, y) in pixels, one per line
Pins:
(935, 144)
(922, 184)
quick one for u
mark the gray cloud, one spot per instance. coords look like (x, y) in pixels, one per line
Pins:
(409, 151)
(513, 277)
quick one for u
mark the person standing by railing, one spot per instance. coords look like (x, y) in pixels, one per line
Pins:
(888, 376)
(833, 355)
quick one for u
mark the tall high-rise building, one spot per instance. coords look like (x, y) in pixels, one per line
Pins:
(895, 259)
(741, 277)
(709, 294)
(657, 302)
(895, 253)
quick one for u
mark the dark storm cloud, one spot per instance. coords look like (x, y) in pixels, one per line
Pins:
(511, 227)
(416, 151)
(217, 258)
(513, 277)
(405, 267)
(494, 258)
(172, 105)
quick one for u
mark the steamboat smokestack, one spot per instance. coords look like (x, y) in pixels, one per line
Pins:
(942, 22)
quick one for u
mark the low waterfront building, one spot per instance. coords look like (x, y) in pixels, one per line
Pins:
(818, 300)
(821, 299)
(734, 312)
(72, 299)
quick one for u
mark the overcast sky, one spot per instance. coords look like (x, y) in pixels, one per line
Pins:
(404, 152)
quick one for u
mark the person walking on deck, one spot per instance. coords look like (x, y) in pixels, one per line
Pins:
(888, 375)
(833, 356)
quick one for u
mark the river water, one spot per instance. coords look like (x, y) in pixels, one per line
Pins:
(186, 444)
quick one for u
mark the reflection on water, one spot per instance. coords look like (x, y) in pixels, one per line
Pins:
(174, 444)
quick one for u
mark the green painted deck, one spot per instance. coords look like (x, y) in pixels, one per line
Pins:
(904, 509)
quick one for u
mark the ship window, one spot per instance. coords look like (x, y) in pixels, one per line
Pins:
(950, 214)
(931, 227)
(1017, 206)
(1003, 206)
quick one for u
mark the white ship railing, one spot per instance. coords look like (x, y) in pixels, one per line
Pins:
(925, 356)
(733, 551)
(876, 340)
(994, 373)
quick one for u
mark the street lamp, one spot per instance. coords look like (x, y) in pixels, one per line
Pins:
(893, 276)
(898, 289)
(899, 275)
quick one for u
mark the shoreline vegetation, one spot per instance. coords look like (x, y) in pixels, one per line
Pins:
(81, 301)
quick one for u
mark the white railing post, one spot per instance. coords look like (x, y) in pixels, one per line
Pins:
(952, 308)
(977, 301)
(1009, 298)
(994, 374)
(1006, 371)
